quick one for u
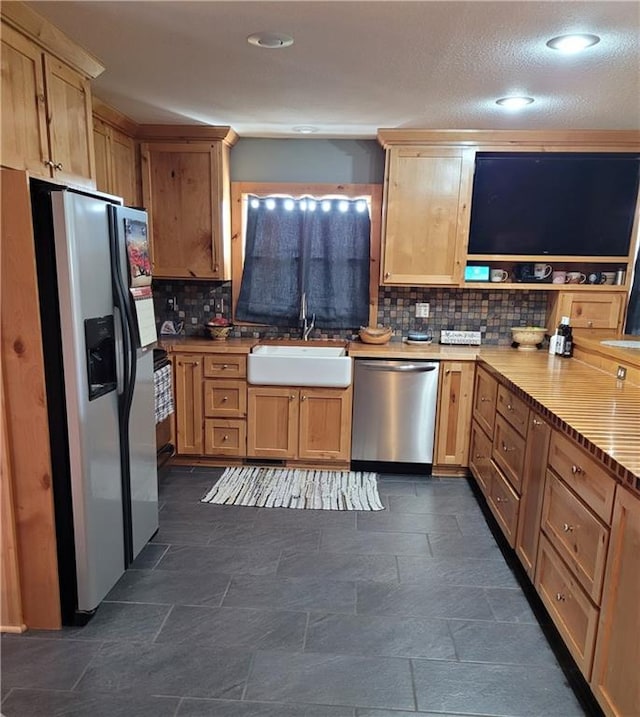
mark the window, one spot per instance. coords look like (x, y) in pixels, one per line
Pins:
(321, 244)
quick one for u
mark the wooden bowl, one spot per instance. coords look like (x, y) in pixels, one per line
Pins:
(372, 335)
(528, 337)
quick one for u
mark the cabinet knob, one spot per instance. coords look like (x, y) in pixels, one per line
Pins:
(225, 438)
(589, 324)
(303, 398)
(536, 422)
(225, 366)
(479, 457)
(196, 363)
(501, 500)
(567, 528)
(58, 166)
(576, 470)
(216, 267)
(292, 396)
(48, 163)
(561, 597)
(484, 399)
(387, 275)
(225, 398)
(41, 98)
(506, 448)
(509, 407)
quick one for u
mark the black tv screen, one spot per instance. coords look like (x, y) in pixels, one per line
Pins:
(555, 204)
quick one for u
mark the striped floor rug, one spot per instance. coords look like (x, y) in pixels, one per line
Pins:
(296, 488)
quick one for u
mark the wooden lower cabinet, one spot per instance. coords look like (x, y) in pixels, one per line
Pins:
(508, 452)
(573, 613)
(533, 479)
(484, 400)
(188, 398)
(272, 422)
(504, 503)
(454, 413)
(480, 457)
(617, 656)
(299, 423)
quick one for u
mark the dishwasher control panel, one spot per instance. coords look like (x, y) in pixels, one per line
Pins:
(463, 338)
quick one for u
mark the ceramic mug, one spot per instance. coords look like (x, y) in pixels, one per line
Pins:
(596, 277)
(499, 275)
(577, 277)
(609, 277)
(524, 272)
(559, 277)
(542, 271)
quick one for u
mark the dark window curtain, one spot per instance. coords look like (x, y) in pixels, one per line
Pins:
(294, 248)
(633, 312)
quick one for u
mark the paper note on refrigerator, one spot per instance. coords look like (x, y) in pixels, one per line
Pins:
(145, 315)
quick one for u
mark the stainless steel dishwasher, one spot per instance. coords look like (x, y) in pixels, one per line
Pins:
(394, 411)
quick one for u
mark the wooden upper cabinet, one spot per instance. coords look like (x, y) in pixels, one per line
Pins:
(115, 154)
(586, 310)
(185, 188)
(24, 115)
(46, 114)
(617, 656)
(427, 200)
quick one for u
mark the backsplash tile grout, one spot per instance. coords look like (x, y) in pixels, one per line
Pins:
(493, 313)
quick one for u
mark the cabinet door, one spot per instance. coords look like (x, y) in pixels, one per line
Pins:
(102, 152)
(24, 126)
(508, 452)
(272, 422)
(484, 400)
(325, 424)
(504, 503)
(454, 413)
(70, 123)
(595, 310)
(181, 192)
(188, 383)
(533, 478)
(123, 167)
(426, 224)
(615, 674)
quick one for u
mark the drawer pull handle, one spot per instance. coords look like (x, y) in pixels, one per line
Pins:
(576, 469)
(536, 422)
(501, 500)
(506, 448)
(561, 597)
(567, 528)
(225, 438)
(225, 366)
(484, 399)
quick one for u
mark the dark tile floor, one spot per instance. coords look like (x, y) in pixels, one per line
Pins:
(243, 612)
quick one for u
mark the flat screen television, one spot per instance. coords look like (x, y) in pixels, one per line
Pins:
(553, 203)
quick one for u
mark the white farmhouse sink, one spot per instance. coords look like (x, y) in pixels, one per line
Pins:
(299, 366)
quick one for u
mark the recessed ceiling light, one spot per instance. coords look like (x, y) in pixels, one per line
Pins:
(270, 40)
(514, 103)
(572, 43)
(305, 129)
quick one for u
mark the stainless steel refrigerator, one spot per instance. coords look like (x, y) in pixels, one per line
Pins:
(100, 393)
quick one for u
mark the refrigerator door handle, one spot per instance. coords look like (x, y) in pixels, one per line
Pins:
(120, 352)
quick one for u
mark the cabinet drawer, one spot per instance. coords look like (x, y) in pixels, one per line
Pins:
(480, 457)
(225, 438)
(513, 409)
(225, 398)
(225, 366)
(484, 400)
(577, 535)
(508, 452)
(504, 503)
(583, 474)
(571, 610)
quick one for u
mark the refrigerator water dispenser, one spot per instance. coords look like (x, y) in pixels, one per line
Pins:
(100, 346)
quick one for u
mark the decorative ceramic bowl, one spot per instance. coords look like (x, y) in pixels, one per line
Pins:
(218, 333)
(373, 335)
(528, 337)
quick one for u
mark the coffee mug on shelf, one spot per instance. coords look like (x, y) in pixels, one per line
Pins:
(577, 277)
(596, 277)
(559, 277)
(524, 272)
(498, 275)
(609, 277)
(542, 271)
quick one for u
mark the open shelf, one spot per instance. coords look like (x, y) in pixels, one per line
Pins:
(543, 286)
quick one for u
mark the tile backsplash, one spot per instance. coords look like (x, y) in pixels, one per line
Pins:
(493, 313)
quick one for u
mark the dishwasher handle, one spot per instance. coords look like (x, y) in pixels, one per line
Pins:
(404, 368)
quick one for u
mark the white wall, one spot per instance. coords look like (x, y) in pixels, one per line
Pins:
(346, 161)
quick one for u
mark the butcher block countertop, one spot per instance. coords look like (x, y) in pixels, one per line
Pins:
(600, 412)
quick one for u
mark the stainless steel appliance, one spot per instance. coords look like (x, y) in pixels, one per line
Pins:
(100, 393)
(394, 411)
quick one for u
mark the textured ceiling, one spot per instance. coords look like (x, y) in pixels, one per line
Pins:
(359, 66)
